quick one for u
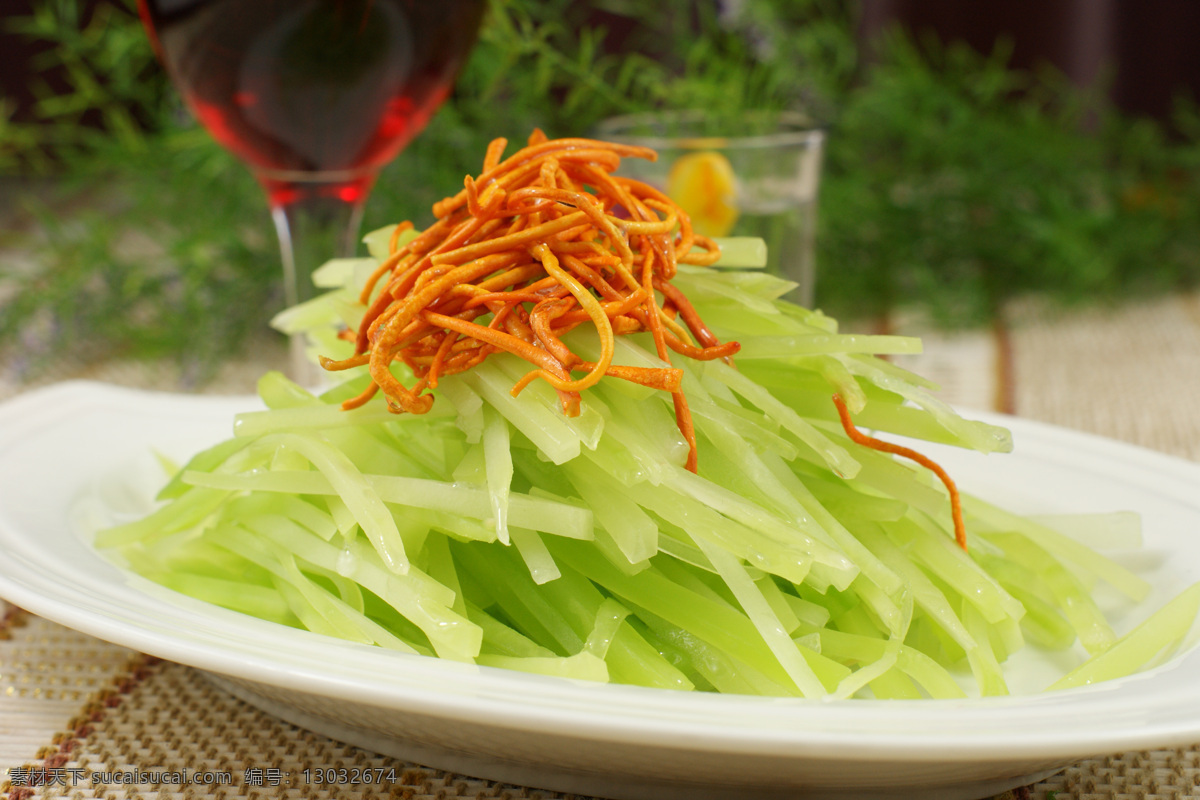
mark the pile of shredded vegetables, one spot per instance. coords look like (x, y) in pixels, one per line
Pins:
(541, 242)
(792, 561)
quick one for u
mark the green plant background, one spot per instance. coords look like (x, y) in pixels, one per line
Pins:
(952, 182)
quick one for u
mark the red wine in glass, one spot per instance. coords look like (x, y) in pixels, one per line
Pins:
(315, 96)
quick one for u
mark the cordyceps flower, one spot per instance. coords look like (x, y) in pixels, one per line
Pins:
(537, 244)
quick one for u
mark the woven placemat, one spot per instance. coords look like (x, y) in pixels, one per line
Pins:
(1131, 373)
(81, 718)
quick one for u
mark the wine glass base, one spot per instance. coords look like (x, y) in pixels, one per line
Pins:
(301, 368)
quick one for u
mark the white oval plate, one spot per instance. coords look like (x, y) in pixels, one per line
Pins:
(75, 440)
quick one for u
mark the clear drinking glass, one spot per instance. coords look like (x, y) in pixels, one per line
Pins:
(757, 175)
(315, 97)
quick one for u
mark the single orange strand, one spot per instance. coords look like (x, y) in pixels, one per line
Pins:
(517, 166)
(470, 252)
(495, 151)
(335, 365)
(687, 236)
(683, 415)
(683, 418)
(690, 317)
(505, 341)
(960, 528)
(394, 241)
(395, 256)
(624, 194)
(708, 255)
(505, 297)
(541, 319)
(355, 402)
(387, 265)
(500, 313)
(439, 358)
(614, 309)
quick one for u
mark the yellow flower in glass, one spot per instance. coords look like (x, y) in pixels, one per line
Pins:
(703, 184)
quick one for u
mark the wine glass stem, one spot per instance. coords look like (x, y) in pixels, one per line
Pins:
(315, 224)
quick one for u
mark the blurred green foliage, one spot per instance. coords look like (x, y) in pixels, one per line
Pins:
(952, 181)
(959, 183)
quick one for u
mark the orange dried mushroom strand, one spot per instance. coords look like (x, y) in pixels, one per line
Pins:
(960, 528)
(539, 243)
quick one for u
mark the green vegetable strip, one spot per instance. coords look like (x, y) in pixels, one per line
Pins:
(257, 423)
(700, 285)
(867, 563)
(773, 347)
(631, 659)
(742, 251)
(1064, 547)
(559, 519)
(1042, 621)
(587, 427)
(1104, 531)
(785, 559)
(982, 658)
(635, 460)
(440, 566)
(506, 580)
(303, 610)
(537, 558)
(609, 617)
(418, 598)
(895, 615)
(581, 666)
(671, 542)
(775, 598)
(697, 577)
(503, 640)
(291, 507)
(979, 436)
(716, 624)
(190, 508)
(1080, 610)
(730, 568)
(352, 487)
(635, 533)
(872, 672)
(711, 416)
(655, 425)
(925, 594)
(337, 618)
(542, 426)
(204, 461)
(790, 532)
(313, 313)
(936, 551)
(627, 653)
(807, 612)
(467, 403)
(834, 455)
(236, 595)
(497, 453)
(1160, 633)
(931, 676)
(708, 665)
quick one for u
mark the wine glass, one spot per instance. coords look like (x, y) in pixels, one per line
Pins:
(315, 96)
